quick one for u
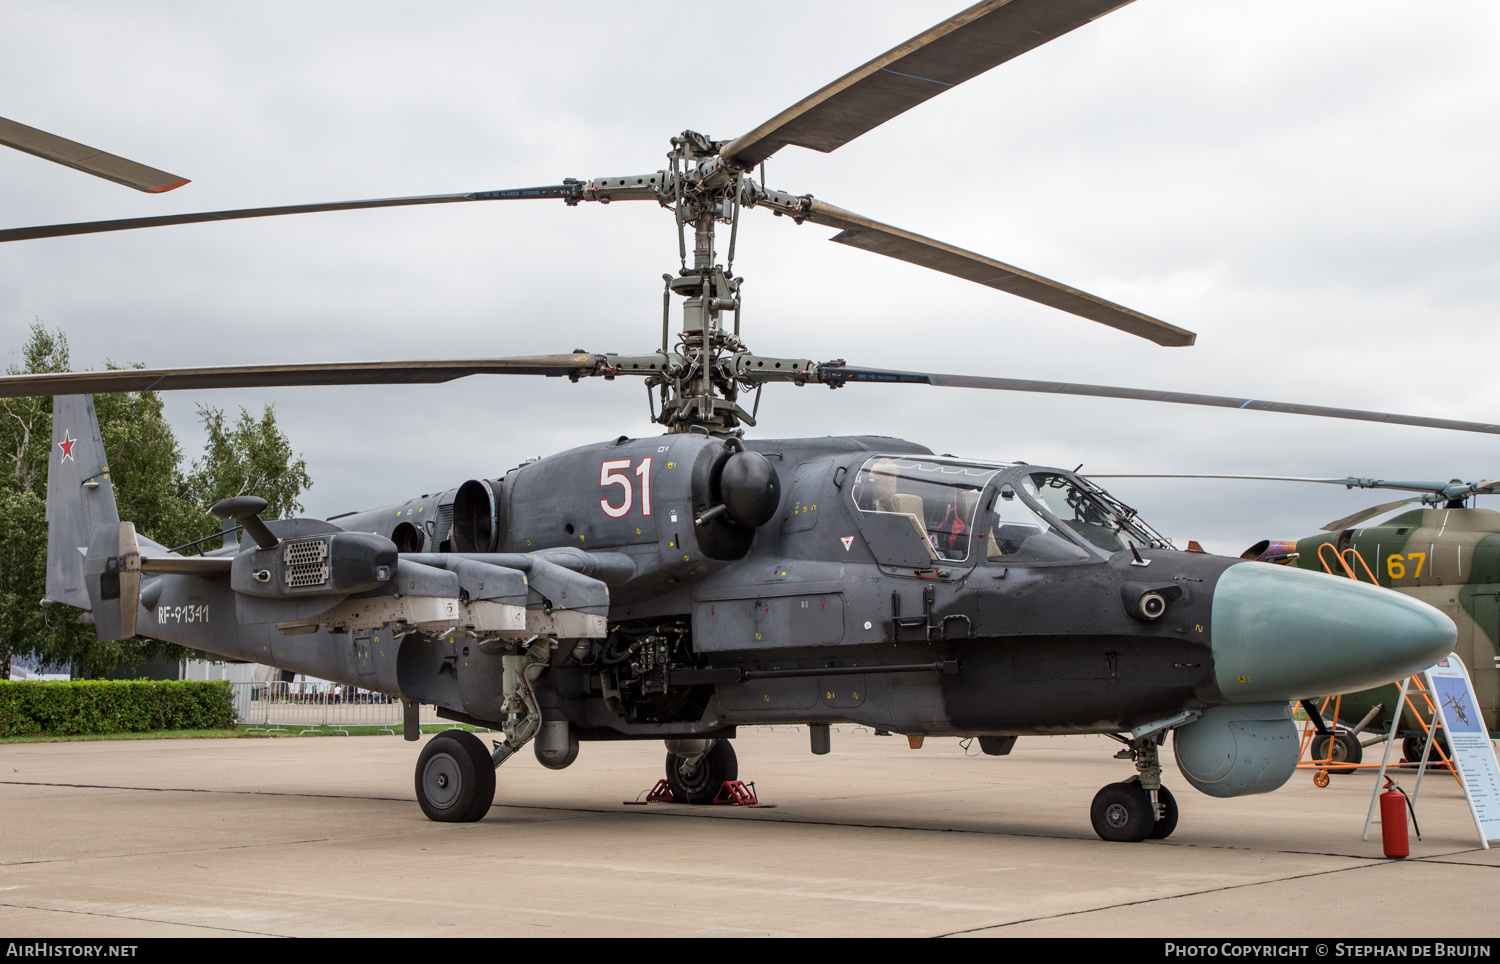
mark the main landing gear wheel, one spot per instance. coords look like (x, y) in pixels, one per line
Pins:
(1411, 749)
(1346, 749)
(455, 778)
(698, 781)
(1122, 812)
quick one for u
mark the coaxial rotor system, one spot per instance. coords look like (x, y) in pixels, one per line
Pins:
(706, 185)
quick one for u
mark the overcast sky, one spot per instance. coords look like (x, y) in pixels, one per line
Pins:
(1311, 186)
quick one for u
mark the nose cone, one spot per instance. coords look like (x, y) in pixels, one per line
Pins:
(1289, 634)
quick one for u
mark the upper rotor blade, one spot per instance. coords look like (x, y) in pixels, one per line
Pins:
(578, 364)
(961, 47)
(89, 160)
(126, 224)
(861, 232)
(841, 375)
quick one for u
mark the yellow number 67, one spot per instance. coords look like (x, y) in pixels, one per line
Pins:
(1397, 569)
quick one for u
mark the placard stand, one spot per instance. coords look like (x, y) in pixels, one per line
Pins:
(1455, 710)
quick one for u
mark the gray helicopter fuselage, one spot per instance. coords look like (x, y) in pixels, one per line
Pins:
(817, 615)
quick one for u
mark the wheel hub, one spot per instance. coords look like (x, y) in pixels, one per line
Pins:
(441, 781)
(1116, 815)
(691, 774)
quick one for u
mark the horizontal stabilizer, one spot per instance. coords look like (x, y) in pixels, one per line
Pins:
(207, 566)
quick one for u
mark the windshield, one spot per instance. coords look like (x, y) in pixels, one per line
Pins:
(1099, 518)
(1019, 534)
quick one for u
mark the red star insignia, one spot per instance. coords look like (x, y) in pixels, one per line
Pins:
(67, 446)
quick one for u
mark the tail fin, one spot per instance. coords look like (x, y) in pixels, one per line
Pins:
(79, 497)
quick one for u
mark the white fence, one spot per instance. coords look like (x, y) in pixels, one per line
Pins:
(304, 706)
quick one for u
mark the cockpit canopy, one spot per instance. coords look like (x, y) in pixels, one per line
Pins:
(1014, 514)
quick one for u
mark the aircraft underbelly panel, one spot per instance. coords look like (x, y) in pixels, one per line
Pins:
(902, 702)
(1041, 684)
(769, 698)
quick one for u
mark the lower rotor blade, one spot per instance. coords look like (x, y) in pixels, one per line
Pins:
(838, 375)
(564, 191)
(871, 235)
(1351, 482)
(89, 160)
(1246, 478)
(577, 365)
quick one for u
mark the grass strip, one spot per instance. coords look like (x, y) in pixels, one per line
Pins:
(239, 733)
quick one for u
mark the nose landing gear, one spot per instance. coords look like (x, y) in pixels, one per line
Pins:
(695, 774)
(1139, 808)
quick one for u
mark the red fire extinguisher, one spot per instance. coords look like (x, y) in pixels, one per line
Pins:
(1394, 804)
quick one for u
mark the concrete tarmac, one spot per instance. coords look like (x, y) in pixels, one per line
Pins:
(322, 837)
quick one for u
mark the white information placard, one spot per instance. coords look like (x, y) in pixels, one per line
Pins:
(1468, 741)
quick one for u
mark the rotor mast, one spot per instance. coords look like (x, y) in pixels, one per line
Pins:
(706, 194)
(700, 379)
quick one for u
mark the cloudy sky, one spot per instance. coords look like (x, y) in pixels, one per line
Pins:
(1308, 184)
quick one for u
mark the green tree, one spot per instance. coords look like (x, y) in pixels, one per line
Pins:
(25, 628)
(25, 445)
(250, 457)
(26, 423)
(151, 490)
(145, 467)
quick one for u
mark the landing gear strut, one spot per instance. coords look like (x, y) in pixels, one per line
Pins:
(1138, 808)
(456, 771)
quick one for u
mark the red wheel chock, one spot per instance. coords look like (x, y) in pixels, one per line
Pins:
(736, 793)
(732, 793)
(661, 793)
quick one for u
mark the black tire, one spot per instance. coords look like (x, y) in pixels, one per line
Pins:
(1346, 749)
(1122, 812)
(1411, 749)
(1165, 824)
(701, 783)
(455, 778)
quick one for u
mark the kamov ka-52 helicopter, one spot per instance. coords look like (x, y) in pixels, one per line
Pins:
(677, 587)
